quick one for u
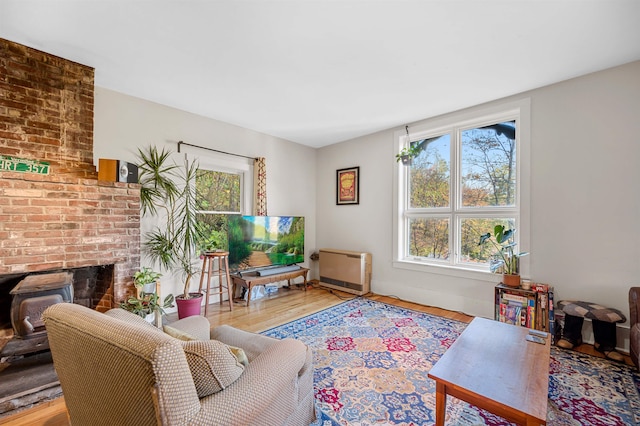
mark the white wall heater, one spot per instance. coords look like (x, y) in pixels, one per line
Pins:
(344, 270)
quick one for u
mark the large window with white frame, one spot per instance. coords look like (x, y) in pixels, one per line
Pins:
(465, 179)
(222, 189)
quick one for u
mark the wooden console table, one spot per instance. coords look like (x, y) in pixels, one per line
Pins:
(250, 281)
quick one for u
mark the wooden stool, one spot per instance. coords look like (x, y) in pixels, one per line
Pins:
(222, 271)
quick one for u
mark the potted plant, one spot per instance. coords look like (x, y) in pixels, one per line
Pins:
(147, 305)
(506, 259)
(407, 153)
(168, 192)
(145, 280)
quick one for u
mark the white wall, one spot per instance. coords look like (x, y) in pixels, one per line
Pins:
(123, 123)
(585, 196)
(585, 199)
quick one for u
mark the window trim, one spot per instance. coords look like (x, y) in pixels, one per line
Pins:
(240, 167)
(434, 127)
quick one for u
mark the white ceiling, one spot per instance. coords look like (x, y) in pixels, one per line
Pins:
(321, 72)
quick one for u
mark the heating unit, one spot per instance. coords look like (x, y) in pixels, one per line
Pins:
(344, 270)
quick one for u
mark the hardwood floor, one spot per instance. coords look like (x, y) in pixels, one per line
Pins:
(284, 306)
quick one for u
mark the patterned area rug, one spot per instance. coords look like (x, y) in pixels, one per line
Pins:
(372, 359)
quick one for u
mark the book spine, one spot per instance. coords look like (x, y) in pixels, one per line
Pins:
(513, 314)
(531, 313)
(515, 298)
(538, 313)
(552, 319)
(544, 304)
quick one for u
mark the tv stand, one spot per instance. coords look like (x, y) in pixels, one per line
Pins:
(250, 281)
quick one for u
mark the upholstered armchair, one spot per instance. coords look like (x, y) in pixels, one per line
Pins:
(115, 368)
(634, 323)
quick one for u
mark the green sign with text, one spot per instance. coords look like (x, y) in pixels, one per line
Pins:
(11, 164)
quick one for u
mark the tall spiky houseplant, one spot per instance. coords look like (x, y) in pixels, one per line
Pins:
(168, 193)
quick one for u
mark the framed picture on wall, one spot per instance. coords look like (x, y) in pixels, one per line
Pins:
(348, 182)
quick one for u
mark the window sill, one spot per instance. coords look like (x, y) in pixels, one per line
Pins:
(447, 270)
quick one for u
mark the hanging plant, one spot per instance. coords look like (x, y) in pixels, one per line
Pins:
(407, 153)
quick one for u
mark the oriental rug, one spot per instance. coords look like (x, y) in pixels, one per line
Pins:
(371, 362)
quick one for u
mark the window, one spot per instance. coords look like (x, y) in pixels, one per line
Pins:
(465, 179)
(221, 190)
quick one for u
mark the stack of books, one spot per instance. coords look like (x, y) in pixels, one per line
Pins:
(527, 308)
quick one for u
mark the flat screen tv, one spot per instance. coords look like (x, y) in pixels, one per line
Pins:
(262, 241)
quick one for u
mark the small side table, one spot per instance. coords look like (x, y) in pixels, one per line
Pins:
(224, 280)
(603, 321)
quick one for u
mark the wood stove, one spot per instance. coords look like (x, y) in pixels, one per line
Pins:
(24, 297)
(32, 296)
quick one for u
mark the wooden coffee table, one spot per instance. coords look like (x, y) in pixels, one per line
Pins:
(492, 366)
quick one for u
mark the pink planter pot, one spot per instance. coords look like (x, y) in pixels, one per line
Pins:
(189, 307)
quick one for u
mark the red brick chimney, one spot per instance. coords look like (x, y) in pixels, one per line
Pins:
(67, 218)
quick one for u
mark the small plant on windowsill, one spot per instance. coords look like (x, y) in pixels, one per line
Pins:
(507, 260)
(407, 153)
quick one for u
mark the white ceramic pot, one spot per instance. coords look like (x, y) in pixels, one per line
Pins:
(149, 288)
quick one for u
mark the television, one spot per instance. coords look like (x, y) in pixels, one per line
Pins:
(257, 242)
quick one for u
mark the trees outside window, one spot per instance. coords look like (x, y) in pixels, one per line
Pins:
(218, 194)
(464, 181)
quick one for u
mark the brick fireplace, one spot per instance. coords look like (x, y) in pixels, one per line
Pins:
(65, 222)
(66, 219)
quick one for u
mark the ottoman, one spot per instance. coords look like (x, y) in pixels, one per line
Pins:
(604, 326)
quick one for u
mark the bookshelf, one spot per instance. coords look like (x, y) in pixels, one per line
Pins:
(527, 308)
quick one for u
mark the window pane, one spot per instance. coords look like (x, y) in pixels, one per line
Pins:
(215, 226)
(471, 230)
(429, 173)
(218, 191)
(429, 238)
(488, 169)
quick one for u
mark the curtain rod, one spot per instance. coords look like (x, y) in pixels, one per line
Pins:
(180, 143)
